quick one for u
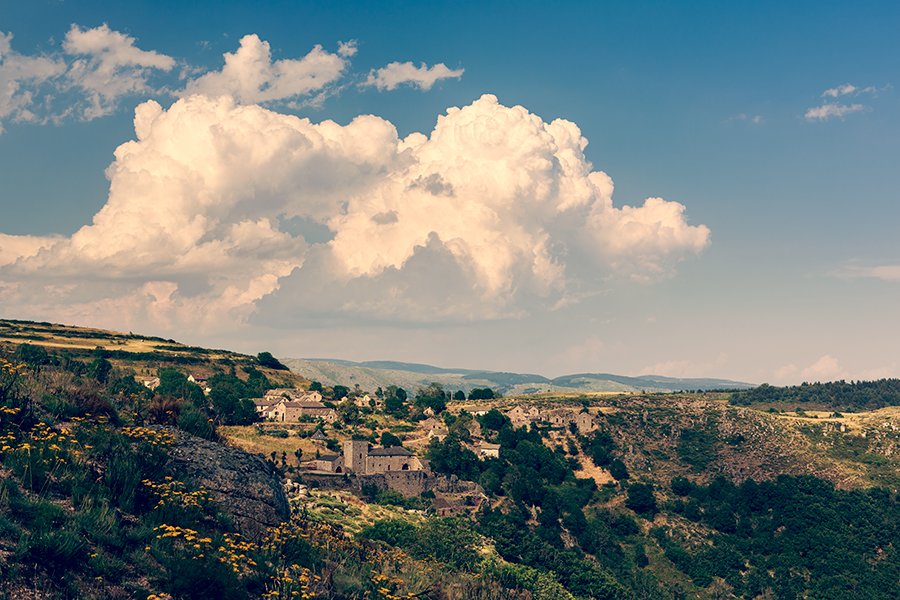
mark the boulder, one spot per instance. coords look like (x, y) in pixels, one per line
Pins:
(243, 484)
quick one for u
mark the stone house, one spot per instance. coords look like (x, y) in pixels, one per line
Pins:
(150, 382)
(560, 417)
(265, 407)
(452, 507)
(289, 411)
(586, 422)
(431, 424)
(486, 450)
(364, 401)
(522, 415)
(330, 463)
(440, 433)
(295, 394)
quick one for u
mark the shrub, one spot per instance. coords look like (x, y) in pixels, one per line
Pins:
(641, 499)
(392, 531)
(195, 422)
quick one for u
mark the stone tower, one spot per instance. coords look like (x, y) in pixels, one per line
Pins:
(355, 454)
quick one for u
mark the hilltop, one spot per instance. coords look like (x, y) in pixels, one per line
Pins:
(145, 355)
(373, 374)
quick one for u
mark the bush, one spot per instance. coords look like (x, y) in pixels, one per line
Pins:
(392, 531)
(195, 422)
(641, 499)
(681, 486)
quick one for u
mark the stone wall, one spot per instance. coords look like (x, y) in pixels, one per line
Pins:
(408, 483)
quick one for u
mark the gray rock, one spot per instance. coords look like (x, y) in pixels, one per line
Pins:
(243, 484)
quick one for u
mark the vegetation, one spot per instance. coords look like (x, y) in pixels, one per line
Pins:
(632, 510)
(837, 395)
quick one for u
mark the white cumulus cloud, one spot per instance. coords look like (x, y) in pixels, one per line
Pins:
(97, 68)
(19, 77)
(839, 90)
(492, 214)
(884, 272)
(423, 77)
(836, 109)
(826, 111)
(108, 67)
(251, 77)
(824, 369)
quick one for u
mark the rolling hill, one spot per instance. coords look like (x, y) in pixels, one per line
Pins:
(410, 376)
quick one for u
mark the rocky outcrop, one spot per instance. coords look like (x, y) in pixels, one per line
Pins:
(243, 484)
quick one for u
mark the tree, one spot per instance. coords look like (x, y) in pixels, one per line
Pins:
(459, 396)
(230, 396)
(450, 541)
(482, 394)
(175, 384)
(339, 391)
(618, 470)
(432, 396)
(389, 440)
(348, 411)
(267, 360)
(100, 369)
(495, 420)
(395, 406)
(641, 499)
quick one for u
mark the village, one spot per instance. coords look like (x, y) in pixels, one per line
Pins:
(401, 465)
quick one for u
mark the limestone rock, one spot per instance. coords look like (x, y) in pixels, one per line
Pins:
(243, 484)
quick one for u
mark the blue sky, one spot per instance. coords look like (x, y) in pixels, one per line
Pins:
(769, 134)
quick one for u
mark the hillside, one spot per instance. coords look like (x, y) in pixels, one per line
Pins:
(145, 355)
(373, 374)
(132, 493)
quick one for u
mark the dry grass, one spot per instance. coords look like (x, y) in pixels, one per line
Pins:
(247, 438)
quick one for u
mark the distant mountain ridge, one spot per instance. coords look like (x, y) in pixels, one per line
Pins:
(370, 375)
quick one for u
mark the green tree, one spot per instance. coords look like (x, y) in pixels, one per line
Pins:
(451, 541)
(175, 384)
(389, 440)
(641, 498)
(267, 360)
(432, 396)
(231, 396)
(482, 394)
(495, 420)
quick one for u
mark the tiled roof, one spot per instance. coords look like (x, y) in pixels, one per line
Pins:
(393, 451)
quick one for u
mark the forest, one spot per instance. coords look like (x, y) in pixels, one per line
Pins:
(837, 395)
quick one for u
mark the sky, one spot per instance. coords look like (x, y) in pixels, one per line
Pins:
(698, 189)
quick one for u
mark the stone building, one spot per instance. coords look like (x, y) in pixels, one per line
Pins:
(361, 458)
(331, 463)
(294, 394)
(288, 411)
(523, 415)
